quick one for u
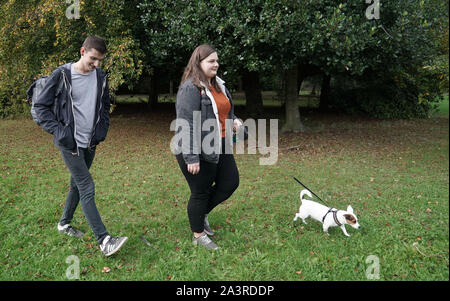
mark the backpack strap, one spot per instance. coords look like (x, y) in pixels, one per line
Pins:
(30, 93)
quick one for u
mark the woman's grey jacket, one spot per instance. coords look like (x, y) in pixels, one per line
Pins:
(197, 127)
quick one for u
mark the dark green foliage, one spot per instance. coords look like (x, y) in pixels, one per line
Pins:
(381, 97)
(406, 48)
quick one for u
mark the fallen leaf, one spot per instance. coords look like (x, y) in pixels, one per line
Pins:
(106, 270)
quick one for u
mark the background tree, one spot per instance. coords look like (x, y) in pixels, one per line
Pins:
(233, 27)
(38, 36)
(395, 83)
(386, 67)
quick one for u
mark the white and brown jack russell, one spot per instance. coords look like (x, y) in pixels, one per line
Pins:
(330, 217)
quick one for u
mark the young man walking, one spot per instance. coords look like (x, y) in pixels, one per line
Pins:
(74, 107)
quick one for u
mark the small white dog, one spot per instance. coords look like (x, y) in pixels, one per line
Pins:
(330, 217)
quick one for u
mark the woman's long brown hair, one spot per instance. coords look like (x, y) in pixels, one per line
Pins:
(193, 69)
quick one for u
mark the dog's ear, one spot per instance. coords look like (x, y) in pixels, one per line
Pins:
(350, 219)
(349, 209)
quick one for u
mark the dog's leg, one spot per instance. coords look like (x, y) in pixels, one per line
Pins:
(345, 231)
(325, 229)
(296, 217)
(303, 215)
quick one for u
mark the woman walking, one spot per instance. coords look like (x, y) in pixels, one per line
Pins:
(210, 172)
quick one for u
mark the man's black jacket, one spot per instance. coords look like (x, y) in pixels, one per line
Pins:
(59, 120)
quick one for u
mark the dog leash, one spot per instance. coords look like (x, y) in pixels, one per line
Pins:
(310, 191)
(331, 208)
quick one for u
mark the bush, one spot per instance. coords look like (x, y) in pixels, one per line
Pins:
(12, 97)
(402, 95)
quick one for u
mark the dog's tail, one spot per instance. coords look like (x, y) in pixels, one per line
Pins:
(303, 192)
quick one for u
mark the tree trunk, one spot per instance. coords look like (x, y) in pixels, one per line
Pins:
(325, 93)
(153, 90)
(313, 91)
(253, 96)
(293, 122)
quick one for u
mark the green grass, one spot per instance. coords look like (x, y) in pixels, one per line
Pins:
(395, 174)
(442, 108)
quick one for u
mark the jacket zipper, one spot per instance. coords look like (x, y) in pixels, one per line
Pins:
(73, 114)
(99, 111)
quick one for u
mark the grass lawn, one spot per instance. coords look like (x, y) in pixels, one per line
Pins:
(395, 174)
(442, 109)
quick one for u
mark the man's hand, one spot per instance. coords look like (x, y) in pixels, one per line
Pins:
(193, 168)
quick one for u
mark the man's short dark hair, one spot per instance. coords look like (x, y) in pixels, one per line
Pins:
(95, 42)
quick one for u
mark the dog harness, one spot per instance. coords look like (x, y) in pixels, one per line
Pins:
(334, 216)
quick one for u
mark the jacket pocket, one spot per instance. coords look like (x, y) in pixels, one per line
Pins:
(99, 135)
(64, 136)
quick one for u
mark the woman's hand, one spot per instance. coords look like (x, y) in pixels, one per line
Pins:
(193, 168)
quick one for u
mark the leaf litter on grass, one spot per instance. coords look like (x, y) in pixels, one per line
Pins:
(379, 166)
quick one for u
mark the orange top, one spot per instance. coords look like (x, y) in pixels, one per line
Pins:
(223, 107)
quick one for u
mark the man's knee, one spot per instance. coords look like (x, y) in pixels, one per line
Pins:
(86, 185)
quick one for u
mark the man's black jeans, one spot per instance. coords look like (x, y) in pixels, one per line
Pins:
(204, 195)
(82, 189)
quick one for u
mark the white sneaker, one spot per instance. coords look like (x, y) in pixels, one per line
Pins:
(69, 230)
(205, 241)
(111, 245)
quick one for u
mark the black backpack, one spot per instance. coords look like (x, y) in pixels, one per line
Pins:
(35, 90)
